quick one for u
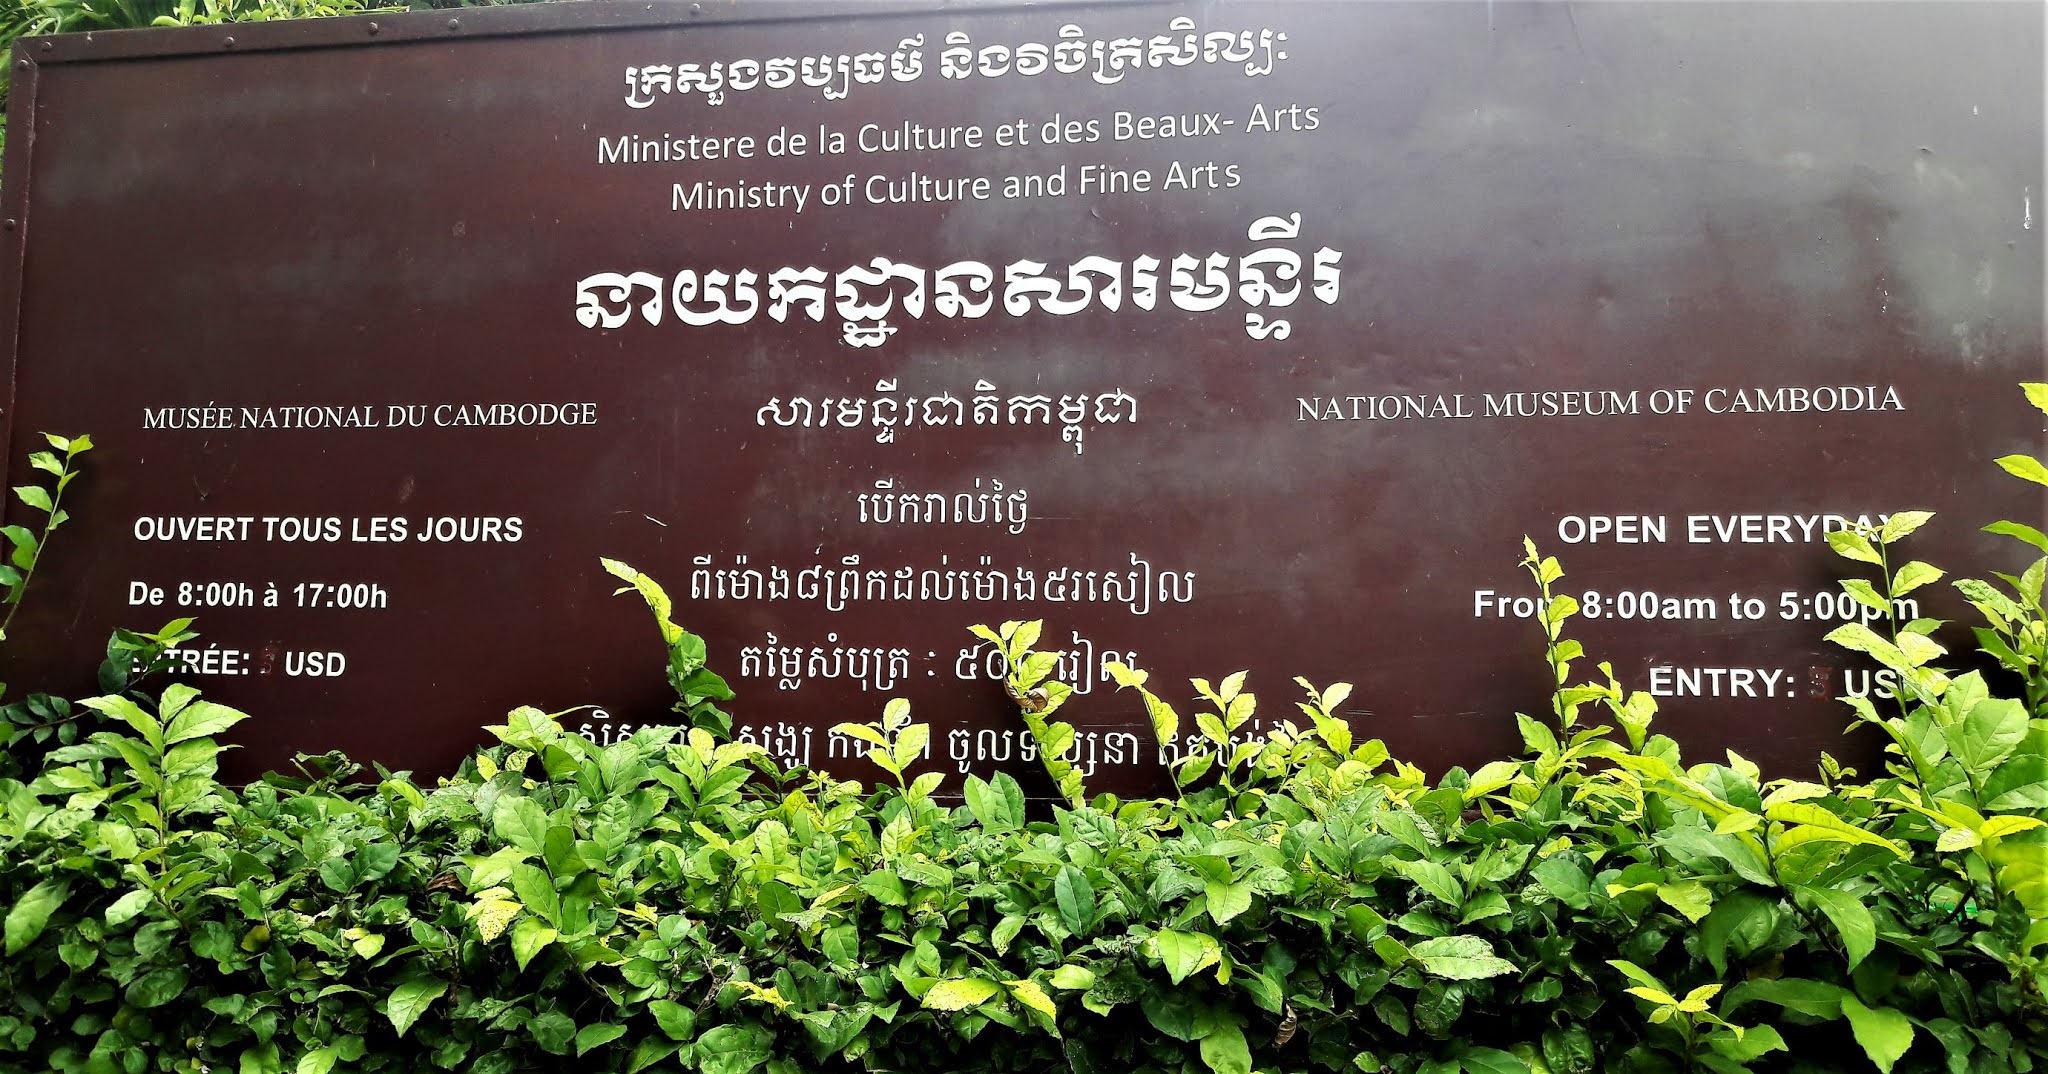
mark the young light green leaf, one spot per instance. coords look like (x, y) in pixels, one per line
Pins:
(2026, 467)
(1884, 1033)
(35, 496)
(2037, 394)
(1955, 839)
(1030, 994)
(1999, 827)
(1690, 897)
(1901, 525)
(961, 993)
(910, 745)
(1073, 977)
(861, 731)
(1914, 575)
(2020, 532)
(1850, 544)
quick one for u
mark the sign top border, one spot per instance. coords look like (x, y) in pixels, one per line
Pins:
(468, 23)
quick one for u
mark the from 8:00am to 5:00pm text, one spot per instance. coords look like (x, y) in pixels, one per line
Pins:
(1646, 604)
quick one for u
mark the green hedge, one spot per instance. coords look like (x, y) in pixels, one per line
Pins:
(676, 901)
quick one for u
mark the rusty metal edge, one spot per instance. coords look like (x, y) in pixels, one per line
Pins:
(21, 105)
(458, 23)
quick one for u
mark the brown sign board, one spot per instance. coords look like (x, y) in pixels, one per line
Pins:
(1216, 335)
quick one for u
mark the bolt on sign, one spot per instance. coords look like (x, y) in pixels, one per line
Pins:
(1217, 335)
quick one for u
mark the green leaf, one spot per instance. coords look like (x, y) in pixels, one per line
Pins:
(317, 1061)
(1183, 953)
(733, 1049)
(27, 919)
(200, 719)
(1491, 1061)
(1851, 920)
(597, 1034)
(2037, 394)
(552, 1031)
(1435, 879)
(1816, 823)
(411, 999)
(1491, 904)
(1690, 898)
(128, 712)
(886, 888)
(2026, 467)
(2002, 826)
(863, 732)
(1074, 977)
(157, 987)
(1912, 576)
(1076, 899)
(960, 993)
(126, 907)
(1899, 526)
(910, 744)
(522, 822)
(1814, 999)
(2020, 783)
(1884, 1033)
(1564, 880)
(1955, 839)
(841, 945)
(1850, 544)
(1006, 802)
(536, 891)
(35, 496)
(529, 937)
(2021, 532)
(677, 1021)
(1460, 958)
(1031, 995)
(1226, 901)
(1988, 734)
(1742, 914)
(1225, 1051)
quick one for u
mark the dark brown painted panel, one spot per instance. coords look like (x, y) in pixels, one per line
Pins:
(1242, 335)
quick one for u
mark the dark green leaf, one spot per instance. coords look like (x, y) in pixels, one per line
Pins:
(552, 1031)
(1851, 920)
(1076, 899)
(157, 987)
(411, 999)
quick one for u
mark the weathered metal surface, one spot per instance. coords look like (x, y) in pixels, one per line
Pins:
(1674, 219)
